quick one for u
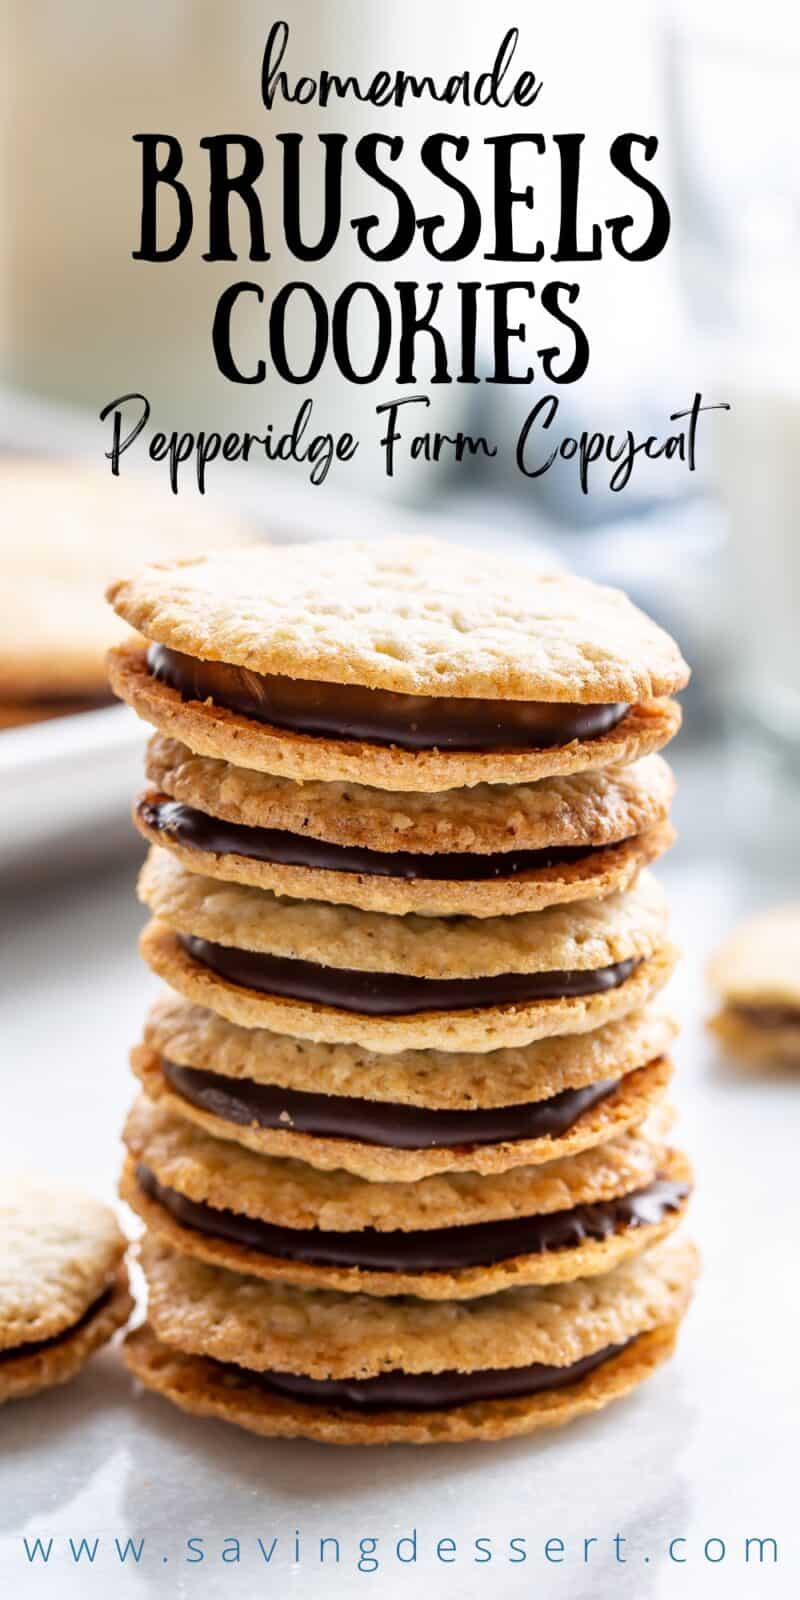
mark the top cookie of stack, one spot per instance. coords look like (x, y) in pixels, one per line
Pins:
(459, 682)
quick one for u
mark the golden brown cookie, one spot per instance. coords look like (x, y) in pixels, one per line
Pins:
(334, 972)
(374, 882)
(225, 1206)
(63, 1290)
(486, 1028)
(627, 1105)
(411, 616)
(483, 851)
(273, 1189)
(213, 730)
(757, 974)
(324, 1334)
(209, 1388)
(598, 807)
(437, 1079)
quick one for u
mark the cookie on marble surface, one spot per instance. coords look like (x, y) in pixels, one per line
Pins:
(192, 1036)
(463, 885)
(63, 1289)
(323, 1333)
(389, 1147)
(757, 974)
(212, 730)
(268, 1218)
(207, 1388)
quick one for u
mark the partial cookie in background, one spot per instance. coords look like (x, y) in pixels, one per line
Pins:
(63, 1287)
(757, 974)
(66, 528)
(407, 665)
(354, 1369)
(272, 1219)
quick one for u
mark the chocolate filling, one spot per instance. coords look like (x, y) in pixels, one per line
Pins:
(427, 1391)
(394, 994)
(400, 1127)
(350, 711)
(769, 1016)
(34, 1346)
(425, 1249)
(199, 831)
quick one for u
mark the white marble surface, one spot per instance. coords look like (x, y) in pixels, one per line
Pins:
(706, 1450)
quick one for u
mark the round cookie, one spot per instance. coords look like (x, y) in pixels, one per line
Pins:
(243, 1328)
(269, 1218)
(376, 883)
(597, 807)
(757, 973)
(228, 1393)
(63, 1288)
(213, 730)
(615, 1109)
(333, 972)
(408, 616)
(480, 852)
(434, 1079)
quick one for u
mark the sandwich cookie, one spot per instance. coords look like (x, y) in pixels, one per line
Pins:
(479, 852)
(757, 974)
(336, 973)
(354, 1369)
(441, 1239)
(406, 665)
(403, 1116)
(63, 1285)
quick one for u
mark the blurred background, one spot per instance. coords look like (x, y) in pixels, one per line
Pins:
(713, 554)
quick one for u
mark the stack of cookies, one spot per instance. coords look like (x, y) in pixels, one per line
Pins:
(401, 1147)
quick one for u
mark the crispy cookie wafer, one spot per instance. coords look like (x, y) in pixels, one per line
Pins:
(486, 886)
(609, 1111)
(209, 1388)
(598, 807)
(211, 729)
(486, 1028)
(266, 1217)
(324, 1334)
(333, 972)
(192, 1036)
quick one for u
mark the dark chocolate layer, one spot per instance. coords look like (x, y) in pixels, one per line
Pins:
(431, 1391)
(394, 994)
(425, 1249)
(401, 1127)
(34, 1346)
(350, 711)
(199, 831)
(769, 1016)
